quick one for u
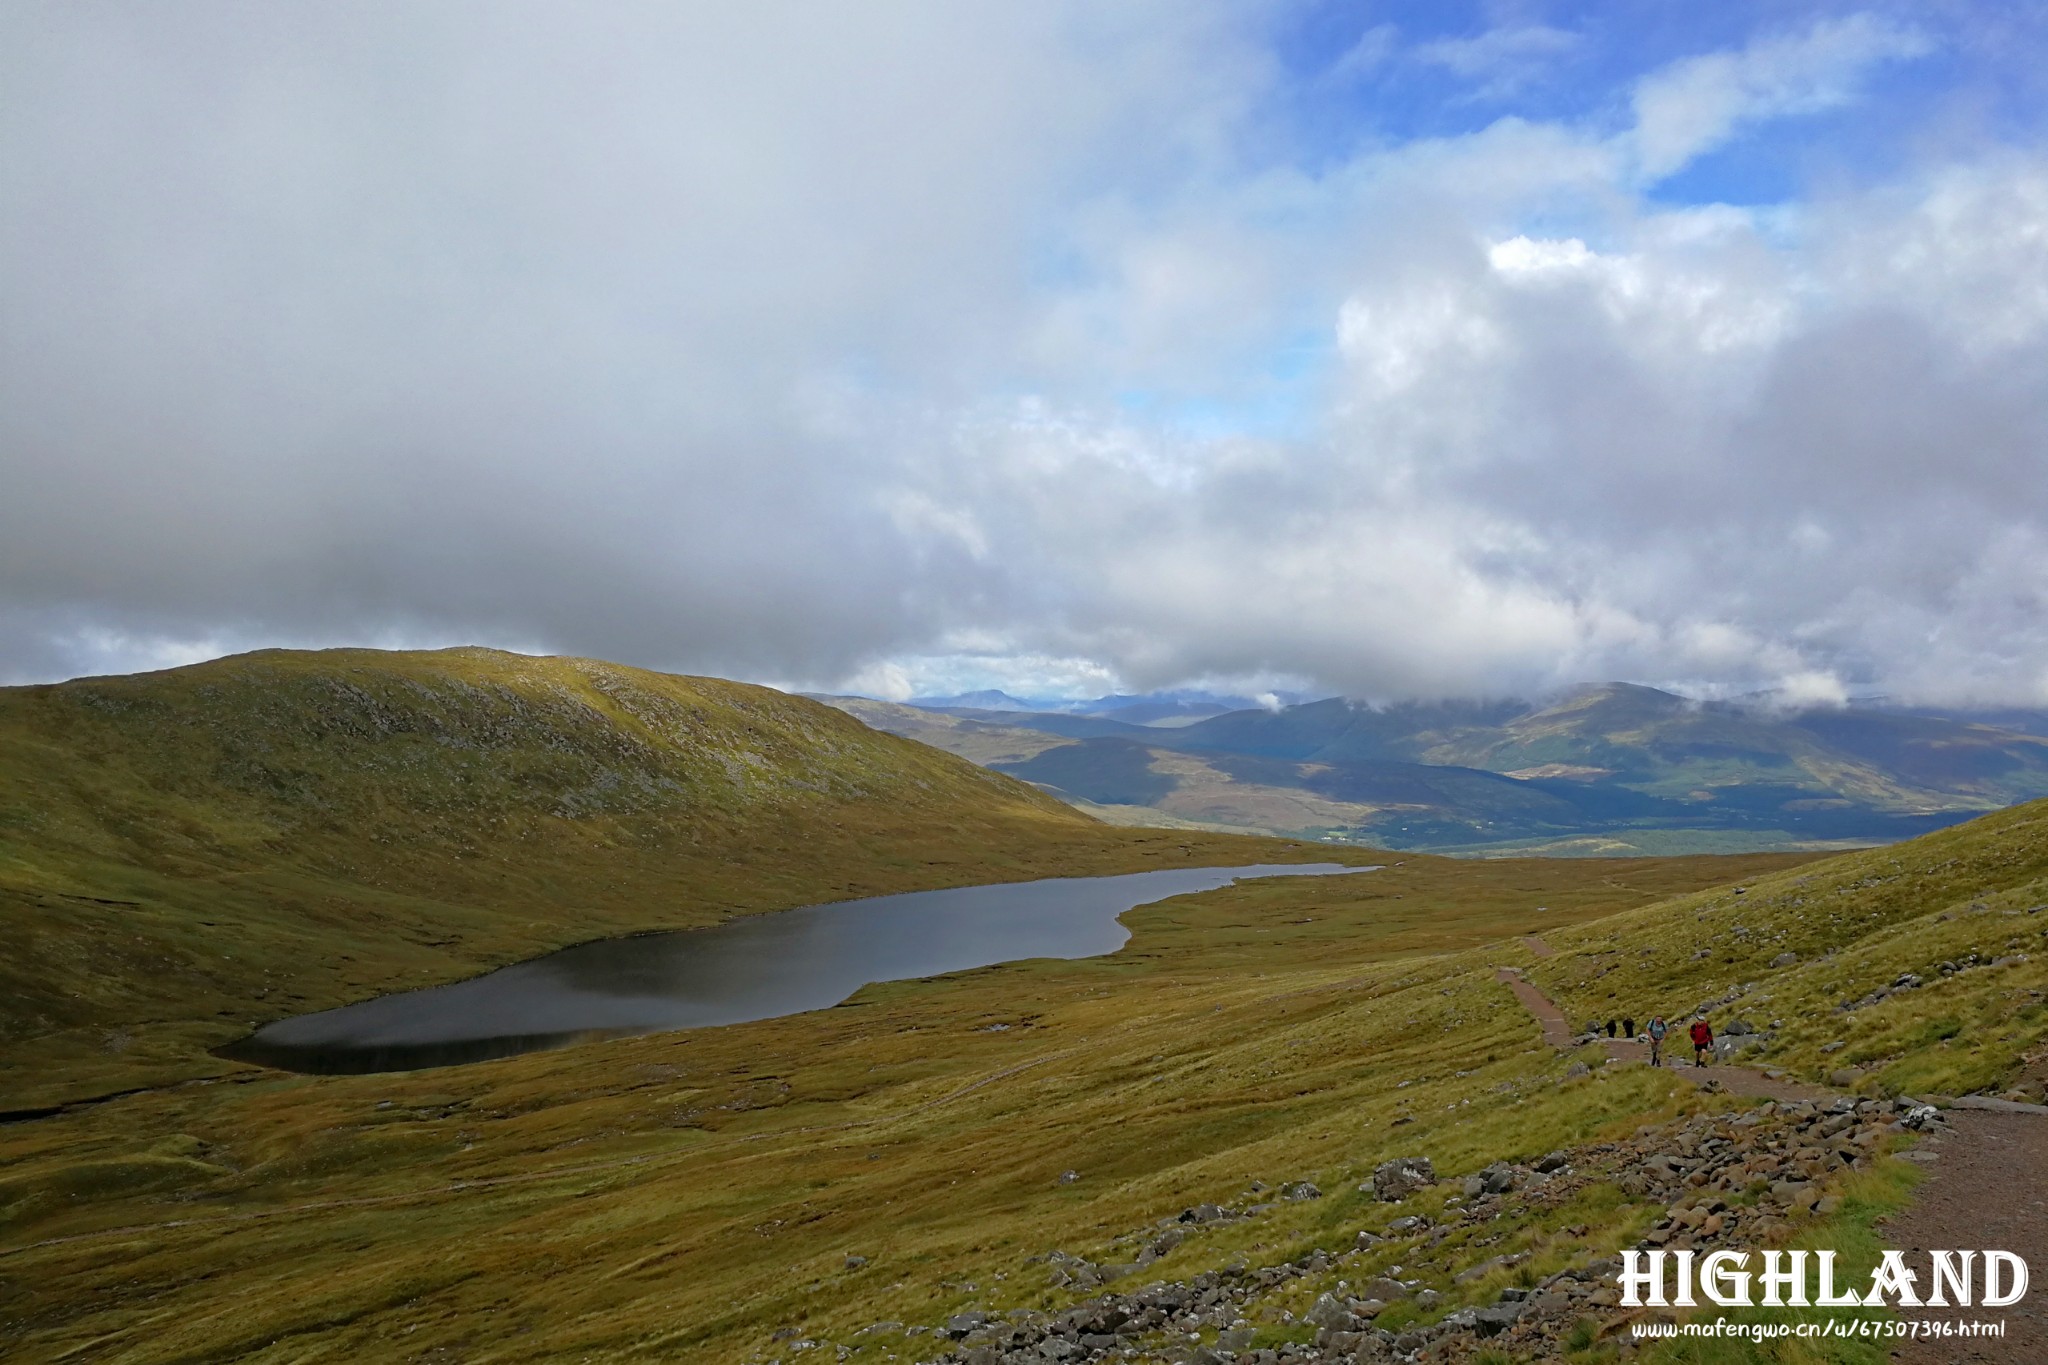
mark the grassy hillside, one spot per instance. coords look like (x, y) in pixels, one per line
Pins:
(186, 853)
(1914, 968)
(682, 1197)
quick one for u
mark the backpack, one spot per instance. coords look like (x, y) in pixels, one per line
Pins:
(1658, 1029)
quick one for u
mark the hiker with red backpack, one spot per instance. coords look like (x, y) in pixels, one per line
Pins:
(1702, 1041)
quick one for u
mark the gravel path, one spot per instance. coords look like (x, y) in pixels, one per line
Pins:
(1987, 1189)
(1556, 1031)
(1739, 1080)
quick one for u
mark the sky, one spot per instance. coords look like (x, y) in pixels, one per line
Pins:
(1391, 350)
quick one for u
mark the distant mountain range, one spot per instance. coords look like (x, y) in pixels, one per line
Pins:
(1178, 707)
(1616, 768)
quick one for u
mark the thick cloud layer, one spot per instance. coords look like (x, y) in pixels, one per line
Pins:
(919, 345)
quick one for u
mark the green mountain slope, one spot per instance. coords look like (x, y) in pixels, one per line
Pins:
(185, 853)
(1916, 968)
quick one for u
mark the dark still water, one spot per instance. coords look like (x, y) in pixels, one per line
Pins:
(754, 967)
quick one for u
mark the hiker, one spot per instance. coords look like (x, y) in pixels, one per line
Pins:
(1610, 1028)
(1702, 1041)
(1658, 1028)
(1628, 1029)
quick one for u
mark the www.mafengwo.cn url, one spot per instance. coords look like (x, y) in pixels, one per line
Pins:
(1832, 1327)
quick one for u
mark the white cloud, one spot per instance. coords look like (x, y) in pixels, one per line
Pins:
(1809, 689)
(1502, 59)
(1696, 104)
(1374, 48)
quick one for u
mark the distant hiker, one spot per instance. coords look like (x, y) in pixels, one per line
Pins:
(1610, 1028)
(1658, 1028)
(1628, 1029)
(1702, 1041)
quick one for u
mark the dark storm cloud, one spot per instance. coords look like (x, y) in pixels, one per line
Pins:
(502, 319)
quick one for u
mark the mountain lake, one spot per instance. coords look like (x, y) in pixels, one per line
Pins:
(752, 967)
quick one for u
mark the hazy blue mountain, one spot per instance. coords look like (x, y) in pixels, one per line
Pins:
(1612, 760)
(1177, 706)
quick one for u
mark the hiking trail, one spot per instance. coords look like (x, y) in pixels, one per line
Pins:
(1986, 1185)
(1558, 1032)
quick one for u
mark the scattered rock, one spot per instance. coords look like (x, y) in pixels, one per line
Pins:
(1395, 1180)
(1921, 1117)
(960, 1324)
(1723, 1179)
(1385, 1288)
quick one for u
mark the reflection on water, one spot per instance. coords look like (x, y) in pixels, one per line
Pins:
(755, 967)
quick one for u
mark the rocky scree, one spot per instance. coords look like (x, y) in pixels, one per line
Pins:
(1742, 1179)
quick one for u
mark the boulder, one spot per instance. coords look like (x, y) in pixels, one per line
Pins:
(1921, 1117)
(960, 1324)
(1395, 1180)
(1491, 1322)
